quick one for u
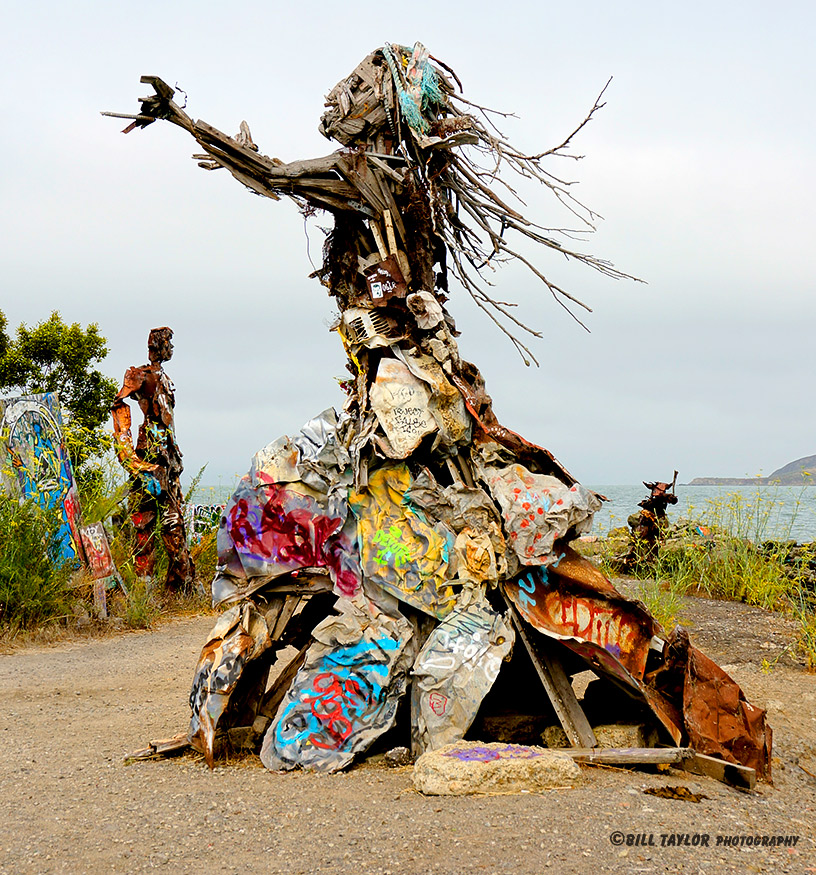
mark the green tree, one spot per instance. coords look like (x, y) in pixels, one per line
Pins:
(56, 357)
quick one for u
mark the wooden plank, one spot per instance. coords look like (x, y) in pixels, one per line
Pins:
(389, 233)
(273, 612)
(734, 774)
(160, 748)
(377, 162)
(246, 180)
(292, 601)
(369, 191)
(375, 230)
(162, 88)
(392, 205)
(274, 695)
(559, 690)
(626, 756)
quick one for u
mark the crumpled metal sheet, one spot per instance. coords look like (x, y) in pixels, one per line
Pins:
(276, 528)
(447, 406)
(290, 512)
(693, 698)
(718, 718)
(538, 509)
(471, 513)
(347, 692)
(475, 557)
(400, 402)
(571, 600)
(399, 550)
(239, 636)
(316, 456)
(426, 309)
(575, 604)
(454, 672)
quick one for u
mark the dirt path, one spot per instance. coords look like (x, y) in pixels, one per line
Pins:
(72, 711)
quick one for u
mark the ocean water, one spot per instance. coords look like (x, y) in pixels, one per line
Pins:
(757, 513)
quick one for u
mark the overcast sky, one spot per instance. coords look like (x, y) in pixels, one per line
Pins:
(702, 164)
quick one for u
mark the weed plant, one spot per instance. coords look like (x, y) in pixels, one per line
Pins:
(33, 576)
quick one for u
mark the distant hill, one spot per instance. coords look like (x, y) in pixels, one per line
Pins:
(793, 474)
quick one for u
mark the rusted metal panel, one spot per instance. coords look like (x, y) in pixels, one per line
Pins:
(239, 636)
(613, 635)
(385, 281)
(719, 720)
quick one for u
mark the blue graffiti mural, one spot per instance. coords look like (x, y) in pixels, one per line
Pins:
(34, 455)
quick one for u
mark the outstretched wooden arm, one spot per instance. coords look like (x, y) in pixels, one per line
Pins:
(325, 183)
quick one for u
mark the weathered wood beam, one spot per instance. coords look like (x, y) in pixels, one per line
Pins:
(559, 689)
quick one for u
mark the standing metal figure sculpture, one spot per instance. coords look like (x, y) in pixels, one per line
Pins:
(154, 463)
(649, 525)
(439, 536)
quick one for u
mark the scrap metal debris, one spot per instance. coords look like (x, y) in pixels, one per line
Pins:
(410, 550)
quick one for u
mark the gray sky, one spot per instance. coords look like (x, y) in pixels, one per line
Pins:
(702, 164)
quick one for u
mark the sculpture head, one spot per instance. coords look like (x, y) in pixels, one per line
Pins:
(395, 85)
(160, 345)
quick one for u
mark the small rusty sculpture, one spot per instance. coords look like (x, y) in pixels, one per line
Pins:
(154, 464)
(650, 524)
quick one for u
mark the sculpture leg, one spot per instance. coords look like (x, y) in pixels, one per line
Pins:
(180, 568)
(143, 512)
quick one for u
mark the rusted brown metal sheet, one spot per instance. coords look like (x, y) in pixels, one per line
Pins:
(719, 720)
(596, 622)
(385, 281)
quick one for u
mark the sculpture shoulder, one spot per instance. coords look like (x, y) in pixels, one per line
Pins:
(137, 381)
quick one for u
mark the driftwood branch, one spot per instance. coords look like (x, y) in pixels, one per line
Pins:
(467, 211)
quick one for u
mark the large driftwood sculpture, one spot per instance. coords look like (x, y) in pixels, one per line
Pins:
(403, 546)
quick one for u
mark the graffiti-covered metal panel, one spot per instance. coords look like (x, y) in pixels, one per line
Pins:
(347, 692)
(34, 461)
(612, 633)
(399, 550)
(454, 671)
(539, 509)
(290, 512)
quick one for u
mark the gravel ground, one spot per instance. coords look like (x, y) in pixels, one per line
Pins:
(69, 804)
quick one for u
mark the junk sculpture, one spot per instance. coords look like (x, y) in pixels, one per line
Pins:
(412, 550)
(649, 525)
(154, 463)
